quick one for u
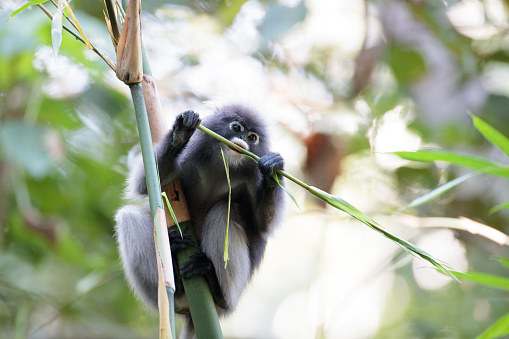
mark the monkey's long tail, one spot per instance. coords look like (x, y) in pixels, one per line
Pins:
(188, 329)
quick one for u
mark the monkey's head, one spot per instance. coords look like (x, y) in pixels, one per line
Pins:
(241, 126)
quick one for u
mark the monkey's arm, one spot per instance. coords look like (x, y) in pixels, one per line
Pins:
(169, 148)
(270, 195)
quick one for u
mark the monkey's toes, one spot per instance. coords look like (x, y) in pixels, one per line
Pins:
(178, 242)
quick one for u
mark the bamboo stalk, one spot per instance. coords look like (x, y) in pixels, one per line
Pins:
(152, 177)
(130, 70)
(199, 298)
(129, 52)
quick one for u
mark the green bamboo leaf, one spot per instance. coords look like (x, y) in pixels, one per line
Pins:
(25, 6)
(227, 169)
(173, 216)
(500, 207)
(476, 163)
(286, 190)
(365, 219)
(485, 279)
(56, 31)
(491, 134)
(431, 155)
(504, 262)
(438, 191)
(499, 329)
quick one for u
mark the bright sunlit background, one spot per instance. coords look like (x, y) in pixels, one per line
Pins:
(343, 84)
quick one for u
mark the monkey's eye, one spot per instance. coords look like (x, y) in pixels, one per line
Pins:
(252, 136)
(235, 126)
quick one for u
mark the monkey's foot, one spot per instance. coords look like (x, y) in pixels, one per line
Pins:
(178, 242)
(198, 264)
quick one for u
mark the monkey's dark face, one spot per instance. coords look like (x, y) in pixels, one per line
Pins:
(239, 133)
(243, 128)
(241, 136)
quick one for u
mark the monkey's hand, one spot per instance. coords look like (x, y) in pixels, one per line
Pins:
(184, 127)
(269, 164)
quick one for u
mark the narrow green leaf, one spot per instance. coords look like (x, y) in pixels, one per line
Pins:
(476, 163)
(431, 155)
(25, 6)
(499, 329)
(227, 169)
(504, 262)
(486, 279)
(173, 216)
(286, 190)
(56, 32)
(365, 219)
(413, 66)
(438, 191)
(491, 134)
(500, 207)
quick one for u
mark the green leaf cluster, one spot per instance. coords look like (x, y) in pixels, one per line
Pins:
(481, 165)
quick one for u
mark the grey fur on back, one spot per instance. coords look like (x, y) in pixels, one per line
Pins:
(134, 233)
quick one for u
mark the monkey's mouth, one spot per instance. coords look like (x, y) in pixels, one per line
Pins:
(240, 143)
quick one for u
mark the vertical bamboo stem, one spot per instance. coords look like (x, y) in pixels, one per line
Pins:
(150, 166)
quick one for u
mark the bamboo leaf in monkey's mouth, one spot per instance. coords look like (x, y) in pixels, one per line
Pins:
(240, 143)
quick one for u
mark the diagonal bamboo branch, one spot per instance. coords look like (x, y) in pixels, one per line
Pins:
(344, 206)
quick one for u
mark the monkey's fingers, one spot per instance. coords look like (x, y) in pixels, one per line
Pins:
(198, 264)
(190, 119)
(270, 163)
(184, 127)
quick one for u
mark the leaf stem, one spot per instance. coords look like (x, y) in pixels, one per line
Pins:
(107, 60)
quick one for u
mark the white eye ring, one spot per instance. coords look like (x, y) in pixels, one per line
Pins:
(236, 126)
(253, 137)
